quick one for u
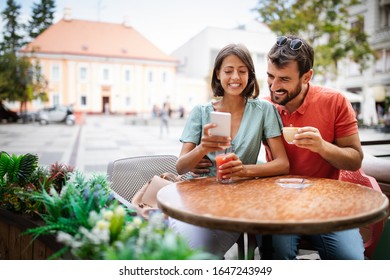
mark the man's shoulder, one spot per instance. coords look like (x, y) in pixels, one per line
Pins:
(327, 91)
(319, 92)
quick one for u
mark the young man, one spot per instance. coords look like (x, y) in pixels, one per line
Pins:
(327, 141)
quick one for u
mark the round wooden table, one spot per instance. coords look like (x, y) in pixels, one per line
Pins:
(263, 206)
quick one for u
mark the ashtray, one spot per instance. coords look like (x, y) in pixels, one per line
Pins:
(294, 183)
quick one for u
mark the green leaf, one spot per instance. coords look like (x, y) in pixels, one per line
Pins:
(28, 164)
(4, 162)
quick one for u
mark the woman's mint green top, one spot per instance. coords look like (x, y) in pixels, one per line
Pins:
(260, 121)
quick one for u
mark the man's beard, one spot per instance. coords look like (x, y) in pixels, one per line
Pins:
(286, 98)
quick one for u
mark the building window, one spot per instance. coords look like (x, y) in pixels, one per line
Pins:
(387, 61)
(382, 65)
(83, 73)
(55, 72)
(385, 16)
(83, 100)
(55, 99)
(150, 76)
(106, 75)
(128, 101)
(127, 76)
(164, 77)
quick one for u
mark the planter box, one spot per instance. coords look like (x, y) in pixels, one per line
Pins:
(15, 246)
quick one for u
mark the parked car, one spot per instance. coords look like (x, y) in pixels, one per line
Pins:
(7, 114)
(28, 117)
(56, 114)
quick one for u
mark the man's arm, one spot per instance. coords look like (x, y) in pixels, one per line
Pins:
(346, 153)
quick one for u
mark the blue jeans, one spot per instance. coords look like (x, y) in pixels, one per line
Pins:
(341, 245)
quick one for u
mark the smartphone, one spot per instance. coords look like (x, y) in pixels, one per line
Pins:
(223, 121)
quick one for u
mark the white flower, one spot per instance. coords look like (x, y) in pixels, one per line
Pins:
(107, 214)
(137, 221)
(129, 228)
(102, 225)
(93, 218)
(170, 240)
(64, 237)
(120, 211)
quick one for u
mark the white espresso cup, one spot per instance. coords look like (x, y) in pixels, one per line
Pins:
(289, 133)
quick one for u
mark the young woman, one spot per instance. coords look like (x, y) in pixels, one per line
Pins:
(236, 90)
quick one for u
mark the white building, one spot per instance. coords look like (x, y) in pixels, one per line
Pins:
(376, 79)
(102, 67)
(196, 58)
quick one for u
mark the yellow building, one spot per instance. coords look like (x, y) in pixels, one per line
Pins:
(102, 67)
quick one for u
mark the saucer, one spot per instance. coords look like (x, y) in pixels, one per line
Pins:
(294, 183)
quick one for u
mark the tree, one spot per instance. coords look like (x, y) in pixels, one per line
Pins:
(21, 80)
(42, 17)
(324, 24)
(20, 77)
(12, 38)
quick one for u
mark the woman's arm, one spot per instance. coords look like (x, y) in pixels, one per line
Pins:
(192, 154)
(279, 165)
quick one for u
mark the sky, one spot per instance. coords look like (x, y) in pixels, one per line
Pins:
(166, 23)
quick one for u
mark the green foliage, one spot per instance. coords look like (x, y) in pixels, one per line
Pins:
(20, 80)
(69, 208)
(20, 77)
(12, 37)
(324, 24)
(42, 17)
(20, 176)
(113, 235)
(84, 215)
(16, 169)
(91, 224)
(151, 241)
(387, 104)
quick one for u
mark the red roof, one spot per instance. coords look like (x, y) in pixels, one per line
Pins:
(90, 38)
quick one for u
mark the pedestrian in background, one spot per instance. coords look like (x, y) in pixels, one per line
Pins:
(164, 119)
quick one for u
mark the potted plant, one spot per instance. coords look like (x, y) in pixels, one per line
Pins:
(82, 214)
(93, 225)
(20, 176)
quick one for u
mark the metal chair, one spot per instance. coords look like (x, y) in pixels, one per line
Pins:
(128, 175)
(371, 233)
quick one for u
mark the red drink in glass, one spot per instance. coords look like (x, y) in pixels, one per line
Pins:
(219, 160)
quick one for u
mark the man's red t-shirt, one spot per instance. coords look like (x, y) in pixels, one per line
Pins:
(330, 112)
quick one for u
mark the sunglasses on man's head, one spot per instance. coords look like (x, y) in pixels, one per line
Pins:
(295, 44)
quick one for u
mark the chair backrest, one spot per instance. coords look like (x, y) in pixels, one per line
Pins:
(128, 175)
(371, 233)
